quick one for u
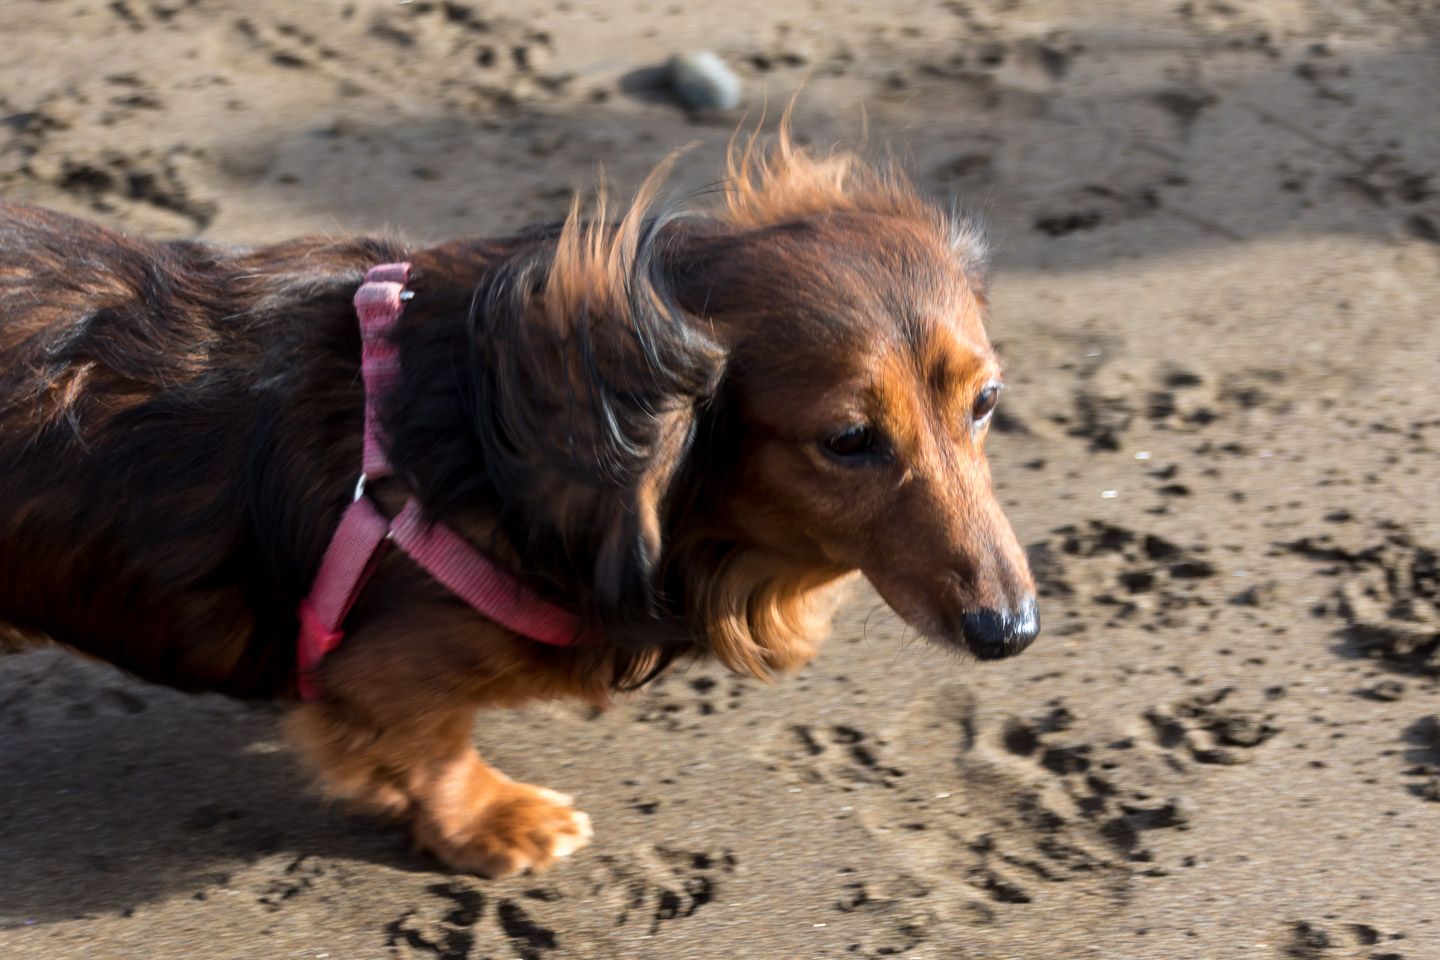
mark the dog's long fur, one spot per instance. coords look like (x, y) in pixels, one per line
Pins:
(617, 410)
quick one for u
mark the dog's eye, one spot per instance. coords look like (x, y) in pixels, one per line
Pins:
(985, 402)
(852, 443)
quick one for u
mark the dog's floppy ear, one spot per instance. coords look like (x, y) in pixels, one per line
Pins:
(645, 373)
(626, 574)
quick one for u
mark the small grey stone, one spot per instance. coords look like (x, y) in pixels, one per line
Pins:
(702, 81)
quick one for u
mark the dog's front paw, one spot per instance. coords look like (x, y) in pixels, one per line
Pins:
(523, 828)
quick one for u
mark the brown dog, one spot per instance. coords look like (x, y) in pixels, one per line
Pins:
(685, 429)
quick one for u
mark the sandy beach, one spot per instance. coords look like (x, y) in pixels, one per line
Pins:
(1215, 288)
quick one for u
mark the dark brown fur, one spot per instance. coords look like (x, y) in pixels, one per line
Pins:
(633, 415)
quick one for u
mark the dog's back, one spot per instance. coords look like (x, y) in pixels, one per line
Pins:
(141, 388)
(91, 323)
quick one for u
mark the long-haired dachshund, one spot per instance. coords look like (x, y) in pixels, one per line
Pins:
(680, 430)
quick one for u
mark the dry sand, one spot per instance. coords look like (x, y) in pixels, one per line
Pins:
(1218, 227)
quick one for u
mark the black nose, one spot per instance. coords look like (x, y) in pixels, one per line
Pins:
(995, 634)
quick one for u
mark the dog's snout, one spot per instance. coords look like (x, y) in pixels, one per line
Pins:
(996, 634)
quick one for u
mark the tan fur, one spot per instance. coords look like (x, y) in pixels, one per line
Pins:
(640, 421)
(769, 184)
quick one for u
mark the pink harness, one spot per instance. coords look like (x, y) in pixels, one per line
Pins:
(358, 542)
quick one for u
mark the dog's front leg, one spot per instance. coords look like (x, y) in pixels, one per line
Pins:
(422, 767)
(476, 819)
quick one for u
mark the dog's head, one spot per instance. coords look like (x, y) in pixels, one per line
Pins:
(860, 385)
(750, 405)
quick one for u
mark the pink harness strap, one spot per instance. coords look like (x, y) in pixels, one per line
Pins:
(474, 578)
(358, 542)
(379, 303)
